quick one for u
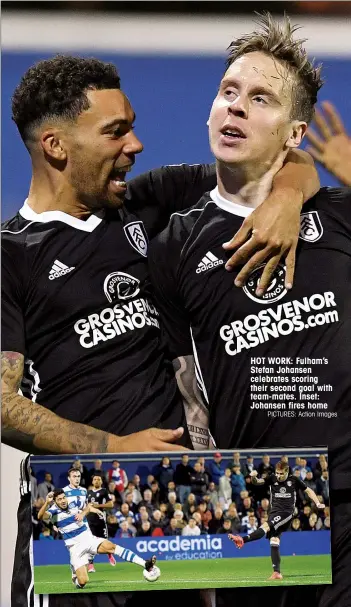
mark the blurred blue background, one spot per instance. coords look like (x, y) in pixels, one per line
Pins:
(171, 97)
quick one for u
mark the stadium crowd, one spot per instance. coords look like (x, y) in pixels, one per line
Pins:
(207, 496)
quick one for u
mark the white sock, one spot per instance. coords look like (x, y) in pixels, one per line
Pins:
(128, 555)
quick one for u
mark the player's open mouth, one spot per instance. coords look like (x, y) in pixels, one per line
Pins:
(118, 179)
(230, 135)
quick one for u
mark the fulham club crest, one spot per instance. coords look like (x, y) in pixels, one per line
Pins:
(276, 289)
(311, 228)
(136, 235)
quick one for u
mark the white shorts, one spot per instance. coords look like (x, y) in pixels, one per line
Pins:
(81, 551)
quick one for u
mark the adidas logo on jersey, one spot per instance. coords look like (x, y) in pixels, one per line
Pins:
(208, 262)
(59, 269)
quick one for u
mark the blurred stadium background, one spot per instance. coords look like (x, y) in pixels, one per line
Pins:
(170, 56)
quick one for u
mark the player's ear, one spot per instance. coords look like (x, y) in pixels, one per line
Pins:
(297, 133)
(51, 141)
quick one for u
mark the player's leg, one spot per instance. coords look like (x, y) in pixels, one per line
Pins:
(275, 557)
(239, 541)
(81, 576)
(107, 547)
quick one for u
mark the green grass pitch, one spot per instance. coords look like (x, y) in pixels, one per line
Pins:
(220, 573)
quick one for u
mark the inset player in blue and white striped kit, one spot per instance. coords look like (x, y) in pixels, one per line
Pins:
(81, 543)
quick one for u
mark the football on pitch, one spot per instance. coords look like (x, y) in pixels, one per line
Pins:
(152, 575)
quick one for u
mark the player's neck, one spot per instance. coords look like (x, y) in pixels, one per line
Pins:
(46, 194)
(246, 185)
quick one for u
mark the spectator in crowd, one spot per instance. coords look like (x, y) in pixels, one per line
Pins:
(320, 466)
(124, 530)
(296, 524)
(236, 461)
(131, 526)
(149, 479)
(179, 517)
(250, 526)
(147, 501)
(213, 493)
(248, 466)
(206, 515)
(198, 482)
(226, 527)
(216, 468)
(304, 517)
(263, 507)
(112, 525)
(182, 478)
(172, 528)
(46, 534)
(156, 521)
(238, 483)
(37, 525)
(33, 487)
(323, 486)
(172, 487)
(326, 523)
(265, 467)
(119, 476)
(97, 470)
(297, 463)
(137, 494)
(164, 473)
(144, 516)
(207, 498)
(217, 521)
(247, 505)
(304, 468)
(191, 528)
(245, 519)
(225, 489)
(156, 492)
(128, 499)
(312, 522)
(197, 517)
(85, 478)
(240, 502)
(232, 515)
(124, 513)
(144, 530)
(204, 469)
(310, 482)
(172, 500)
(116, 496)
(45, 487)
(138, 514)
(332, 146)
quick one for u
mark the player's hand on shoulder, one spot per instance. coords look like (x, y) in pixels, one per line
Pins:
(154, 439)
(253, 473)
(267, 237)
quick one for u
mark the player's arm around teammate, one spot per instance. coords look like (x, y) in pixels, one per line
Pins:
(32, 427)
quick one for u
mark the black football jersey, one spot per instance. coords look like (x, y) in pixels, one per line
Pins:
(275, 370)
(97, 496)
(282, 494)
(77, 304)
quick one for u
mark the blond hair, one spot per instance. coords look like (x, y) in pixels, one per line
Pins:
(276, 40)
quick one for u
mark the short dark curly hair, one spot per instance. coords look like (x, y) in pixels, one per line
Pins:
(56, 88)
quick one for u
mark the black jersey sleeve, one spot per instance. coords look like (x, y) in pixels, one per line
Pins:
(155, 195)
(12, 316)
(163, 260)
(300, 484)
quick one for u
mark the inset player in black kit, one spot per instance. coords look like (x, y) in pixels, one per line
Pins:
(101, 499)
(283, 489)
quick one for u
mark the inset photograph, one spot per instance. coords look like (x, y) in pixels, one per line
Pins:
(121, 522)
